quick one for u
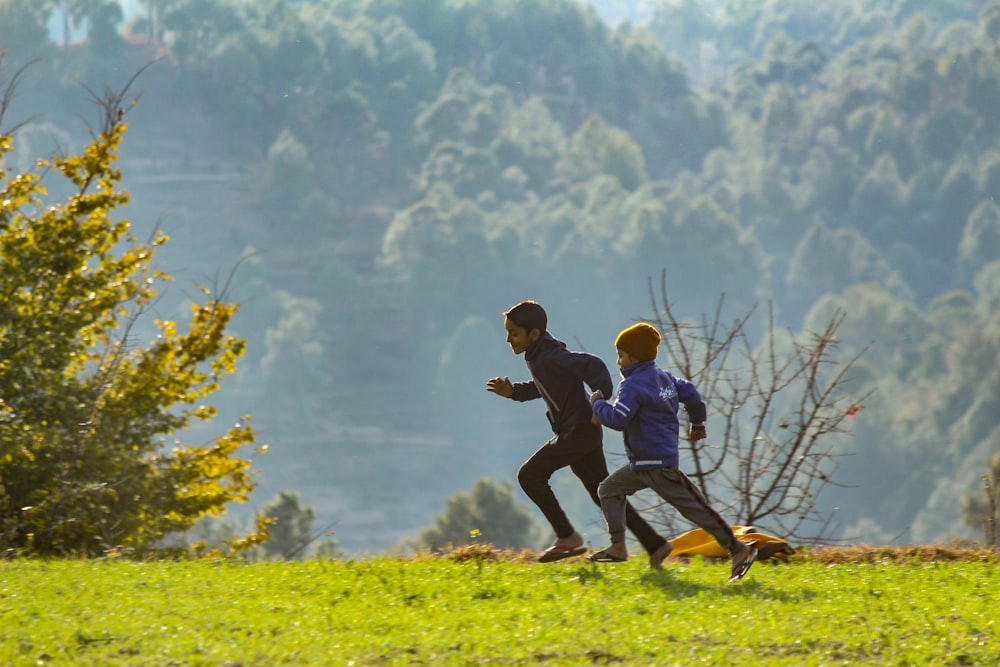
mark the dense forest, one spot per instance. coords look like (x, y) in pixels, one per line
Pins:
(376, 181)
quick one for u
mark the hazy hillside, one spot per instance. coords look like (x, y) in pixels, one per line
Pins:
(388, 177)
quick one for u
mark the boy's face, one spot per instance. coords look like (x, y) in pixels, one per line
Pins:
(518, 337)
(625, 360)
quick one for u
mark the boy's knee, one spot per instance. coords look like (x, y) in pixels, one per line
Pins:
(526, 477)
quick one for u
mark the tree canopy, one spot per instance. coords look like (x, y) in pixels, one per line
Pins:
(85, 465)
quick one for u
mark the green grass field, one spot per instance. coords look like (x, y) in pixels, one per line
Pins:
(499, 611)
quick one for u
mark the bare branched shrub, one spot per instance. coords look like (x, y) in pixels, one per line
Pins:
(777, 409)
(983, 509)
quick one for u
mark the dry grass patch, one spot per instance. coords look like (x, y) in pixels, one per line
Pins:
(833, 555)
(911, 553)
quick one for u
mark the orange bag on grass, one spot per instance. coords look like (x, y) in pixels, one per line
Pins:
(698, 542)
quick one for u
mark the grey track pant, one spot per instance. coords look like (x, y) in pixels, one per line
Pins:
(673, 486)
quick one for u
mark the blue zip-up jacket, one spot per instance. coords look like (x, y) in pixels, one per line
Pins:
(646, 410)
(558, 377)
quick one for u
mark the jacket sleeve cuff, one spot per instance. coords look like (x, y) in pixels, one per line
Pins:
(697, 413)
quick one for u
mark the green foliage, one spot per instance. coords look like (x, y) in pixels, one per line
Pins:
(390, 611)
(464, 364)
(488, 514)
(874, 316)
(693, 239)
(533, 141)
(878, 197)
(887, 135)
(102, 19)
(84, 463)
(290, 526)
(980, 242)
(987, 286)
(597, 149)
(440, 245)
(470, 172)
(25, 34)
(286, 180)
(828, 260)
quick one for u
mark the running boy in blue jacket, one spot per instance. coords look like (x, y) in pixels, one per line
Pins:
(646, 410)
(558, 376)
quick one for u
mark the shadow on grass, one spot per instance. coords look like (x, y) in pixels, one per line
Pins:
(588, 572)
(675, 586)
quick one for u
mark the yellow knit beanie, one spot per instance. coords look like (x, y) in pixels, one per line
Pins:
(640, 341)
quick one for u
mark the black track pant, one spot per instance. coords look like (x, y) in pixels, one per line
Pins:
(580, 448)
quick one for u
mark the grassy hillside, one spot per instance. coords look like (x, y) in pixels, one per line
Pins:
(858, 607)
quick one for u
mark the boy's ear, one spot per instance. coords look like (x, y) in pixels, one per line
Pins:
(535, 334)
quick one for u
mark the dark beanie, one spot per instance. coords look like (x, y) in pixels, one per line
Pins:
(640, 341)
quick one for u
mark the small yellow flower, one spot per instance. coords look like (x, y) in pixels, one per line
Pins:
(474, 533)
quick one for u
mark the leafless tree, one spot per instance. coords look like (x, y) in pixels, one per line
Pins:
(777, 410)
(983, 509)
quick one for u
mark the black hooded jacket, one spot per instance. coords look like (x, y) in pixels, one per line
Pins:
(559, 375)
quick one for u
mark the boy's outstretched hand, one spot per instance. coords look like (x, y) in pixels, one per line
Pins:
(500, 387)
(593, 397)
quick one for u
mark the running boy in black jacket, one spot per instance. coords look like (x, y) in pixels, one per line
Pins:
(558, 377)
